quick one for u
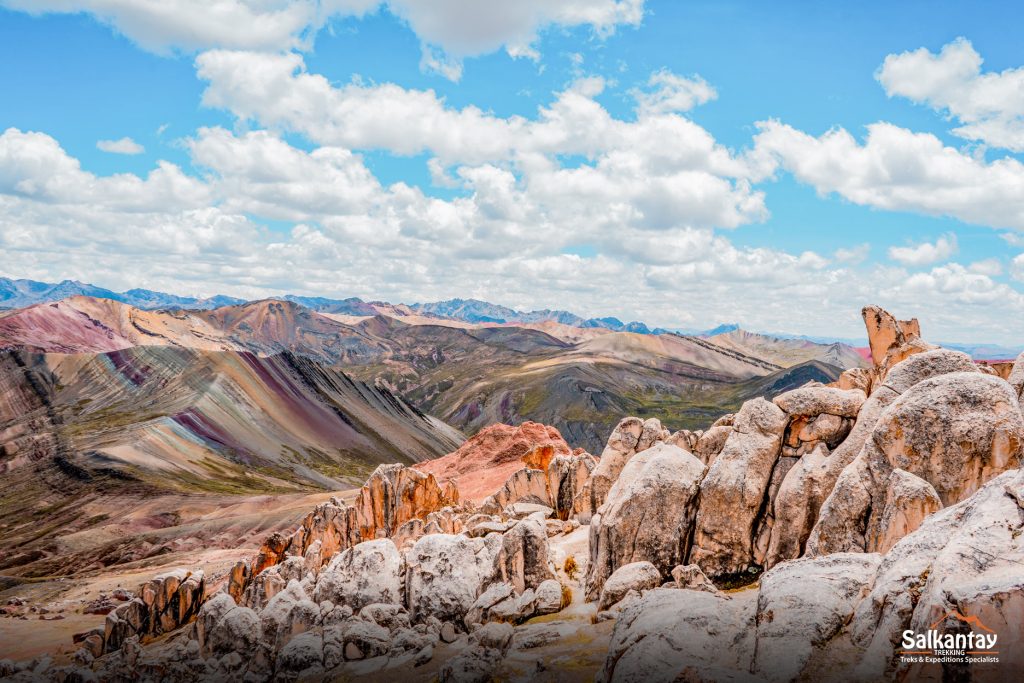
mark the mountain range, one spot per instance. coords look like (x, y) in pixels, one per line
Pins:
(18, 293)
(467, 375)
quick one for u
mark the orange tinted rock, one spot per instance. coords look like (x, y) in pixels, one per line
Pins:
(485, 462)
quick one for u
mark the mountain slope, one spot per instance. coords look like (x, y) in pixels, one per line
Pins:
(184, 419)
(786, 352)
(151, 422)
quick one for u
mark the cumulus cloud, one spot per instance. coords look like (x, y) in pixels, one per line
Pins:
(189, 25)
(989, 266)
(449, 30)
(650, 195)
(631, 178)
(668, 92)
(1014, 239)
(355, 236)
(957, 283)
(926, 252)
(123, 146)
(853, 255)
(990, 105)
(1017, 268)
(896, 169)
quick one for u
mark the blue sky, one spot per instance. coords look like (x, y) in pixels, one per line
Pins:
(782, 248)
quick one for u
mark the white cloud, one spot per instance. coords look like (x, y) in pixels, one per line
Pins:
(449, 30)
(123, 146)
(34, 166)
(955, 283)
(453, 29)
(853, 255)
(898, 170)
(649, 195)
(1014, 239)
(1017, 268)
(189, 25)
(989, 105)
(668, 93)
(990, 266)
(926, 252)
(631, 178)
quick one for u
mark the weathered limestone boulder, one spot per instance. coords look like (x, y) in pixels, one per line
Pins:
(803, 604)
(690, 577)
(727, 420)
(954, 431)
(891, 340)
(270, 553)
(288, 614)
(303, 654)
(667, 631)
(855, 378)
(631, 436)
(648, 515)
(272, 581)
(964, 559)
(239, 577)
(638, 576)
(1016, 377)
(684, 438)
(825, 428)
(364, 639)
(526, 485)
(732, 495)
(446, 573)
(620, 448)
(393, 496)
(908, 500)
(810, 401)
(500, 602)
(809, 483)
(925, 365)
(367, 573)
(711, 443)
(567, 475)
(522, 558)
(222, 627)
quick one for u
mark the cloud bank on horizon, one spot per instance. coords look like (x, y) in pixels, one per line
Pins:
(600, 187)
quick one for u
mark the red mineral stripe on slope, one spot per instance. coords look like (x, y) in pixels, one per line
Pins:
(58, 327)
(483, 464)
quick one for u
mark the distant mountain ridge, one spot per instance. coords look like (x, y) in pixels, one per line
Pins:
(20, 293)
(476, 311)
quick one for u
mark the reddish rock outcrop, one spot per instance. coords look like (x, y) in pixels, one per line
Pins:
(485, 462)
(391, 499)
(160, 606)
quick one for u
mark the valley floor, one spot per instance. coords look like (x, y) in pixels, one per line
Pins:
(211, 533)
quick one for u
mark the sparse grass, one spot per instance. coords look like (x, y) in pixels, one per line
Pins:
(566, 597)
(570, 568)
